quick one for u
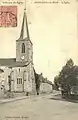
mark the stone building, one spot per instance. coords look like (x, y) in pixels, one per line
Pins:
(43, 85)
(20, 69)
(46, 86)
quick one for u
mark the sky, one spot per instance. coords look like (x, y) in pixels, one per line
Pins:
(53, 32)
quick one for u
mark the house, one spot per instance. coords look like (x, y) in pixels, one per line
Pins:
(42, 84)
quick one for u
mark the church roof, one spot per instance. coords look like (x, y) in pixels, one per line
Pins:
(11, 62)
(24, 29)
(7, 61)
(20, 64)
(24, 35)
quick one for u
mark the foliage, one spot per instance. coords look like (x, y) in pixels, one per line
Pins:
(67, 76)
(56, 83)
(37, 82)
(40, 79)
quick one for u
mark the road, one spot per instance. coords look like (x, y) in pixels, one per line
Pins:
(39, 108)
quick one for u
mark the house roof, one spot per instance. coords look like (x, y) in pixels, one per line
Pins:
(7, 61)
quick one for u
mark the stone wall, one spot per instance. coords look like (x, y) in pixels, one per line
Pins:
(27, 75)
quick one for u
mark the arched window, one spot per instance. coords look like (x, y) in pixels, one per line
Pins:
(23, 48)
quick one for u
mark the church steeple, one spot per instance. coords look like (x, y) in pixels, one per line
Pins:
(24, 30)
(24, 46)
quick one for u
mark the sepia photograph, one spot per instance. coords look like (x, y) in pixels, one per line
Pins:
(38, 59)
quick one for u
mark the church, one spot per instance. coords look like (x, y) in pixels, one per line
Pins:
(20, 69)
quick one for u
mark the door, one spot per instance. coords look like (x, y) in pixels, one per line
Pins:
(20, 84)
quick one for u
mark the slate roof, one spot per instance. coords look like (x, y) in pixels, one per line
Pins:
(20, 64)
(7, 61)
(24, 30)
(24, 35)
(11, 62)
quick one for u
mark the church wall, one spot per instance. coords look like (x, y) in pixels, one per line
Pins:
(19, 54)
(33, 82)
(26, 74)
(4, 76)
(13, 79)
(18, 72)
(29, 69)
(30, 51)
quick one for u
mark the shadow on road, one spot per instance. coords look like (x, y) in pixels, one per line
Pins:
(73, 99)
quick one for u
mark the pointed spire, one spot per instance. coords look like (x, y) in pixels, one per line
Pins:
(24, 30)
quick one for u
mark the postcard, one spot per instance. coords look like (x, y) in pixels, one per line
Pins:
(38, 59)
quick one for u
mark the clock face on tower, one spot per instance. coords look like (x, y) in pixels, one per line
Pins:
(22, 57)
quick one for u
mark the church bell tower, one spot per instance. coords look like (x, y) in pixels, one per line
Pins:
(24, 46)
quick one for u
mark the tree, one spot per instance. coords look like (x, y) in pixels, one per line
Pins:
(56, 83)
(37, 81)
(67, 76)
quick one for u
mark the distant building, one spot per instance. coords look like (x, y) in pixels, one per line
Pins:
(46, 86)
(42, 84)
(20, 69)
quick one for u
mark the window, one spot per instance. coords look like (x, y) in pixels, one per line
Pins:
(19, 80)
(19, 70)
(23, 48)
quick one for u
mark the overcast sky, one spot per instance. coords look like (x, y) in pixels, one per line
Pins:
(53, 31)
